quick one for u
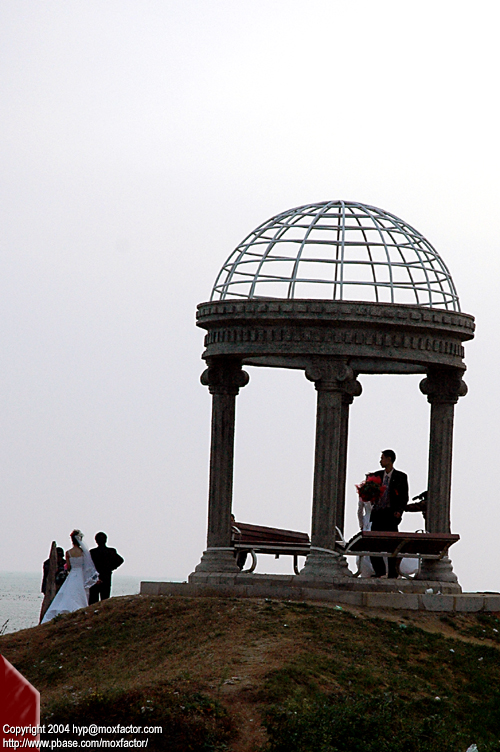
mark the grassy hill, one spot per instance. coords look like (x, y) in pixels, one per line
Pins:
(248, 675)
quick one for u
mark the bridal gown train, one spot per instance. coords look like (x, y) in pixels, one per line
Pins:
(72, 594)
(407, 566)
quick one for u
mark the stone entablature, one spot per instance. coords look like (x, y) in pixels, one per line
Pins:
(395, 333)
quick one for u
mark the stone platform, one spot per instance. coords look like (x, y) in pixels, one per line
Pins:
(380, 593)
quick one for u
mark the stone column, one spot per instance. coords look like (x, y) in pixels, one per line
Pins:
(224, 379)
(443, 387)
(336, 387)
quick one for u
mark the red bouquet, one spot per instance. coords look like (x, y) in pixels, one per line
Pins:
(371, 489)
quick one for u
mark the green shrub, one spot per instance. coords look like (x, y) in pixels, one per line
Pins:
(373, 724)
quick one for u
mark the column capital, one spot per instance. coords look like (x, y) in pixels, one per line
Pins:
(334, 376)
(224, 377)
(443, 385)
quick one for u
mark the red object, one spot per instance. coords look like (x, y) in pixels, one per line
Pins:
(19, 706)
(371, 489)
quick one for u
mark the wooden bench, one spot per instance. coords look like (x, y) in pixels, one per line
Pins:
(257, 539)
(399, 545)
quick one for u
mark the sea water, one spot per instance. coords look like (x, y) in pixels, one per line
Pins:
(21, 599)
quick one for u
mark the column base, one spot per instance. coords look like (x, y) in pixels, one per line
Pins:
(440, 570)
(324, 565)
(216, 561)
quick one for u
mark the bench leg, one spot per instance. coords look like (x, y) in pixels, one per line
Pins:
(254, 563)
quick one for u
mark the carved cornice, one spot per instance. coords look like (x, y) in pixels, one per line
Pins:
(224, 377)
(328, 311)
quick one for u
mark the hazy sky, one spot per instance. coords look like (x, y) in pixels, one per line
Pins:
(141, 140)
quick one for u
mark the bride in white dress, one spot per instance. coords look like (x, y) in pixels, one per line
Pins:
(82, 574)
(365, 568)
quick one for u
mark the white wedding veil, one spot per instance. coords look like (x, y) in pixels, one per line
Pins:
(90, 573)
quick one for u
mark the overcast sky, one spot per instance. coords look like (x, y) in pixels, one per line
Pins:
(141, 140)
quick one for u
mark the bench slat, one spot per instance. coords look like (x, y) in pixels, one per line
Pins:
(256, 534)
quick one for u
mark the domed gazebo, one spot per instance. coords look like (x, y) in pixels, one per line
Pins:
(336, 289)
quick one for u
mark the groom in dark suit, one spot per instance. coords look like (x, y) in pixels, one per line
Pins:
(388, 510)
(106, 560)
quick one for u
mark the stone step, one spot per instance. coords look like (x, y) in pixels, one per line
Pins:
(264, 587)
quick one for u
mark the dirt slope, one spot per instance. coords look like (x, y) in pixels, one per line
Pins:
(214, 667)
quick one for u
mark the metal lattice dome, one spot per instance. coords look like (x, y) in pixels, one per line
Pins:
(337, 250)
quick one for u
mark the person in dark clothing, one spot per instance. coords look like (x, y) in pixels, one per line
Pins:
(106, 560)
(61, 573)
(388, 510)
(420, 505)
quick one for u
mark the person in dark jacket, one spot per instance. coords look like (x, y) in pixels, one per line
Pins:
(61, 573)
(420, 505)
(106, 560)
(388, 510)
